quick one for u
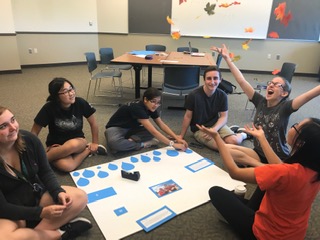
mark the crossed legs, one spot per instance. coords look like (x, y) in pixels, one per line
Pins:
(47, 228)
(68, 156)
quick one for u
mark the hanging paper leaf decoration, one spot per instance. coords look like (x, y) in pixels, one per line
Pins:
(210, 8)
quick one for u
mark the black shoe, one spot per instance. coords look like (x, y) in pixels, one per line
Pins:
(75, 228)
(102, 150)
(234, 128)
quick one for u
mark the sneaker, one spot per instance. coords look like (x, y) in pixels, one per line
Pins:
(102, 150)
(75, 228)
(234, 128)
(151, 143)
(240, 130)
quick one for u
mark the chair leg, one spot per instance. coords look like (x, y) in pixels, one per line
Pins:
(88, 90)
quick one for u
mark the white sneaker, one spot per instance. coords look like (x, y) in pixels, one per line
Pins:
(151, 143)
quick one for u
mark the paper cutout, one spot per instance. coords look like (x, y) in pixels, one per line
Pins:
(210, 8)
(245, 45)
(175, 35)
(199, 165)
(249, 30)
(101, 194)
(206, 36)
(273, 35)
(226, 5)
(169, 20)
(156, 218)
(182, 1)
(280, 14)
(275, 72)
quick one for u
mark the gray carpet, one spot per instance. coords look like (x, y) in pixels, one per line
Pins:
(25, 94)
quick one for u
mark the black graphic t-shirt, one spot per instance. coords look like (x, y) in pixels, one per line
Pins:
(274, 121)
(64, 124)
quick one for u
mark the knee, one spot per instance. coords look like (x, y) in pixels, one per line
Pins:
(80, 197)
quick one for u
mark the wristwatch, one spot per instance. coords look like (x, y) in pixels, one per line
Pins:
(171, 143)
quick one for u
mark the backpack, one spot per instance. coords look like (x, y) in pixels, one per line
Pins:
(227, 86)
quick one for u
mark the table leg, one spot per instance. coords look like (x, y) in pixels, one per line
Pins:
(149, 76)
(137, 70)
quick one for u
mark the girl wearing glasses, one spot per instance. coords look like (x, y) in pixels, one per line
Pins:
(63, 113)
(33, 205)
(129, 128)
(272, 114)
(290, 187)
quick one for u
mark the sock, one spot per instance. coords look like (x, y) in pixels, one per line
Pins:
(244, 135)
(60, 231)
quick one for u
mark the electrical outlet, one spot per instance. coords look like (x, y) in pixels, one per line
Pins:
(213, 54)
(30, 50)
(269, 56)
(35, 50)
(90, 23)
(278, 57)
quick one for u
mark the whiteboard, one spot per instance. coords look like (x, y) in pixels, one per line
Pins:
(191, 19)
(112, 16)
(55, 15)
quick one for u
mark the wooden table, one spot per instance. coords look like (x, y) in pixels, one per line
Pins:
(168, 59)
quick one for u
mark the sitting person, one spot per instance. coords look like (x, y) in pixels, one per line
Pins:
(208, 105)
(63, 113)
(129, 128)
(272, 113)
(290, 187)
(32, 203)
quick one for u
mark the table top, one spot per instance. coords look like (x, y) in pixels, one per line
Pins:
(169, 58)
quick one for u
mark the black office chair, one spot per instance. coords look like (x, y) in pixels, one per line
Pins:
(179, 81)
(106, 55)
(287, 71)
(156, 47)
(92, 66)
(186, 49)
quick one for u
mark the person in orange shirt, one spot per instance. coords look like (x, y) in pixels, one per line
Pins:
(290, 187)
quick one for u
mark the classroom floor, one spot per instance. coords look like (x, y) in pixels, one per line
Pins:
(25, 93)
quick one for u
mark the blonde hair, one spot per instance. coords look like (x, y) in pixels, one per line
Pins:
(19, 144)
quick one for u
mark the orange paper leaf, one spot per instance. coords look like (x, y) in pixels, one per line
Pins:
(273, 35)
(176, 35)
(280, 10)
(275, 72)
(285, 20)
(169, 20)
(249, 30)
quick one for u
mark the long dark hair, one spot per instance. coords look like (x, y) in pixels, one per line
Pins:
(54, 88)
(306, 146)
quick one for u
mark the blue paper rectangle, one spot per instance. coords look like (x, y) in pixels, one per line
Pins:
(120, 211)
(199, 165)
(163, 214)
(142, 52)
(101, 194)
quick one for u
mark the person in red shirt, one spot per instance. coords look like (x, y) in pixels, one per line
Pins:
(290, 187)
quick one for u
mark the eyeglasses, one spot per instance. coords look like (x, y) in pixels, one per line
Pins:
(276, 84)
(155, 102)
(294, 127)
(67, 91)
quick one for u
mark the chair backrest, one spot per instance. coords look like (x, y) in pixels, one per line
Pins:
(218, 61)
(156, 47)
(287, 70)
(91, 61)
(181, 78)
(186, 49)
(106, 55)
